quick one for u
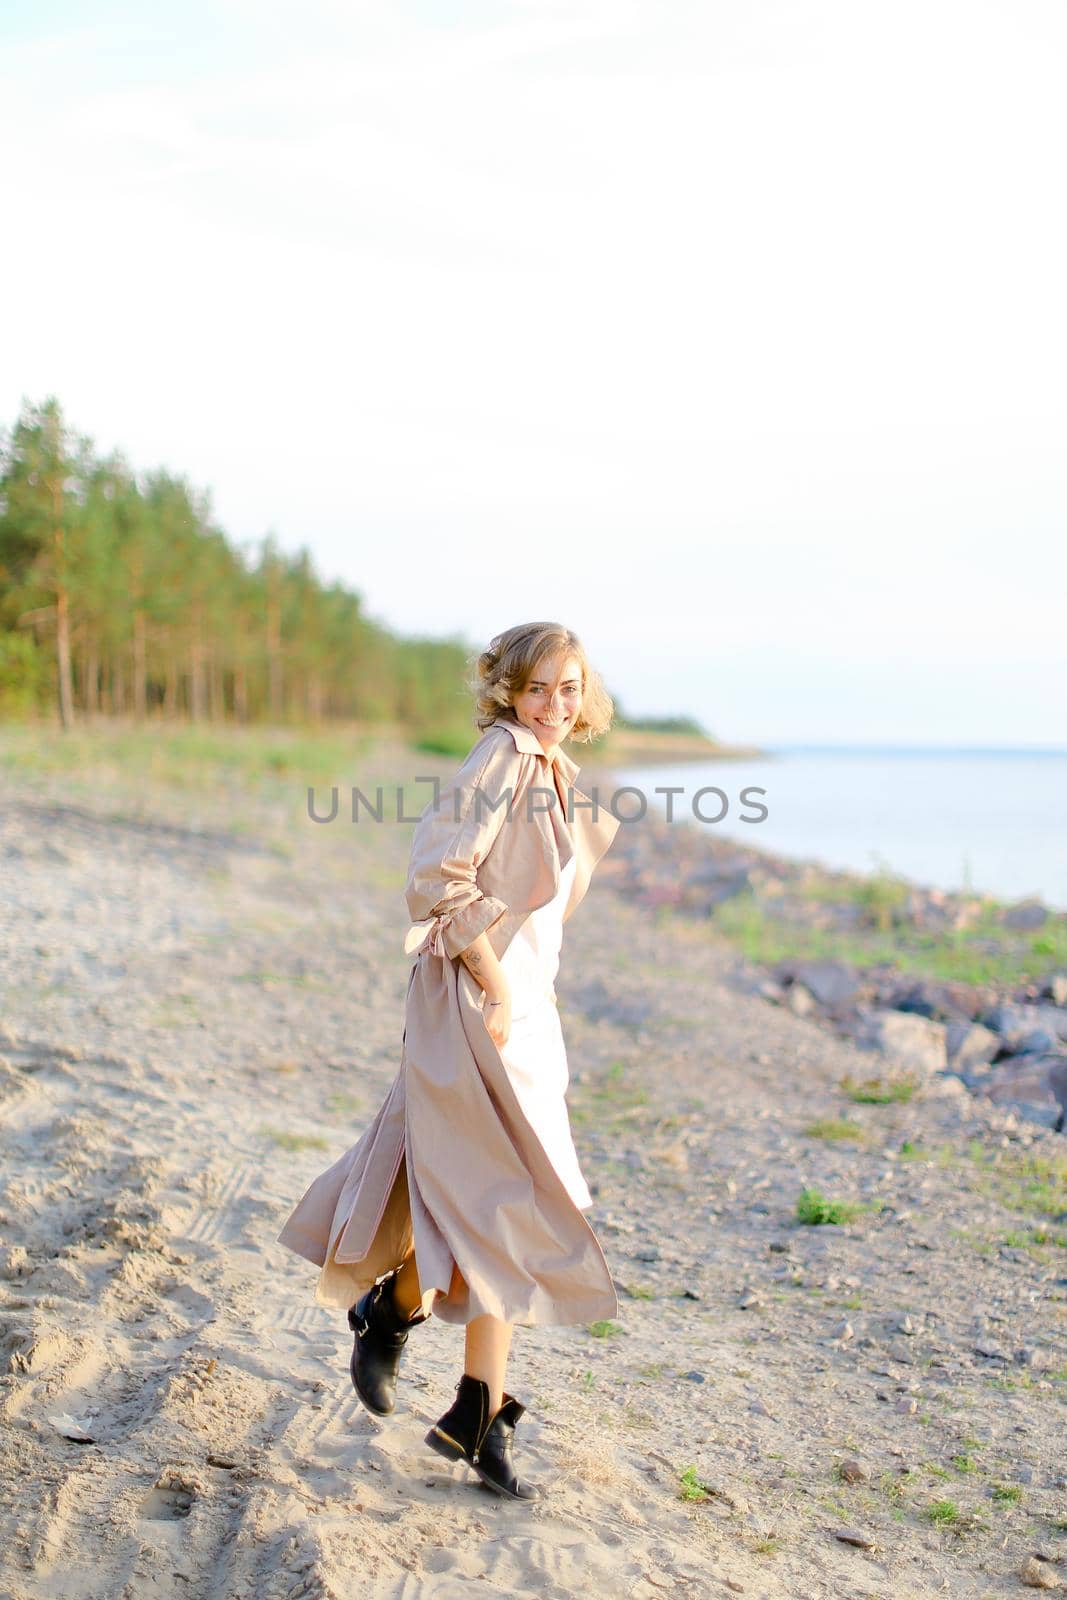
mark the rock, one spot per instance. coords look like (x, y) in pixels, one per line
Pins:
(1036, 1042)
(862, 1541)
(1053, 1020)
(1009, 1020)
(1015, 1022)
(943, 1000)
(767, 989)
(915, 1042)
(1034, 1085)
(853, 1471)
(1057, 1082)
(1025, 915)
(946, 1084)
(800, 1000)
(969, 1045)
(1036, 1575)
(695, 1377)
(1056, 987)
(14, 1261)
(831, 982)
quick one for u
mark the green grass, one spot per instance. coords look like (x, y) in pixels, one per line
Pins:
(835, 1128)
(693, 1487)
(891, 1486)
(604, 1328)
(986, 952)
(344, 1103)
(294, 1141)
(814, 1208)
(297, 980)
(1036, 1240)
(1023, 1180)
(453, 742)
(187, 756)
(879, 1091)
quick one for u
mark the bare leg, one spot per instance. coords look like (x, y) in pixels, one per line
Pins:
(487, 1345)
(486, 1356)
(406, 1287)
(488, 1340)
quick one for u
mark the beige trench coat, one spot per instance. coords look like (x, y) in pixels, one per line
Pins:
(476, 1189)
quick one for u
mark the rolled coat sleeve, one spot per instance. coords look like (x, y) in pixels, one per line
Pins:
(452, 840)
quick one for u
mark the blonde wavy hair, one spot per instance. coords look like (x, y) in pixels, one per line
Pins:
(503, 670)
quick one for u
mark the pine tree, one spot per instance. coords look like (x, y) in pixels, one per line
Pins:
(44, 473)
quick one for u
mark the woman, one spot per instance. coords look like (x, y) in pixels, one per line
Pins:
(464, 1196)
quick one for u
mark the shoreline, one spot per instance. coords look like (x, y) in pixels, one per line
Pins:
(849, 949)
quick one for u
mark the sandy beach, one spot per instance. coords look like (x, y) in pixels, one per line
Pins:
(201, 1003)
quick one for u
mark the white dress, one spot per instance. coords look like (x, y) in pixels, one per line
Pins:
(535, 1056)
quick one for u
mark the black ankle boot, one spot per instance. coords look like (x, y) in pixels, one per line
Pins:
(381, 1331)
(468, 1433)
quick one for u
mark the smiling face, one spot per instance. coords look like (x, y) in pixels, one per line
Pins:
(552, 699)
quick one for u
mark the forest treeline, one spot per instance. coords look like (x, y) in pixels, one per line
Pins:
(120, 594)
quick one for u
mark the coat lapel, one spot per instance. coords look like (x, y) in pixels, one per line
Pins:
(585, 835)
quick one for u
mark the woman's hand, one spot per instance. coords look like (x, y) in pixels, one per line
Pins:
(496, 1009)
(480, 960)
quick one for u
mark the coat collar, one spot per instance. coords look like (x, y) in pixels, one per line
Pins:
(527, 741)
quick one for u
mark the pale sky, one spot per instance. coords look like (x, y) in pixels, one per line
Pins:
(731, 335)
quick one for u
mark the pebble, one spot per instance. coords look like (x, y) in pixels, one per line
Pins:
(1036, 1575)
(862, 1541)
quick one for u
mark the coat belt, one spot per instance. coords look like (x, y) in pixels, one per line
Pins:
(426, 935)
